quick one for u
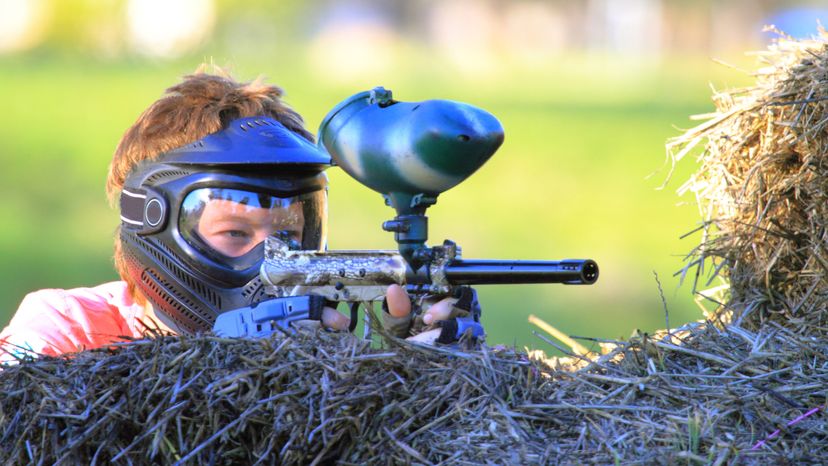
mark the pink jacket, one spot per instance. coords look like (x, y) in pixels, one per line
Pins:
(53, 322)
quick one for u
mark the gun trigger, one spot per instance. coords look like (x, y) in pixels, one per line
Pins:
(354, 307)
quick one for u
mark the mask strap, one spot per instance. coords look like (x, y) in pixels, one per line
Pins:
(132, 207)
(143, 210)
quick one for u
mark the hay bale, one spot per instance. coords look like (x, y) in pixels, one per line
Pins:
(307, 398)
(705, 395)
(762, 188)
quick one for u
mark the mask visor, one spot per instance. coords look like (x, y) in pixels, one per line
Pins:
(229, 225)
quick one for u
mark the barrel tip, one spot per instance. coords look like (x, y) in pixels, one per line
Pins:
(590, 272)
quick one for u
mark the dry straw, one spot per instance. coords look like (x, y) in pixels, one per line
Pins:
(747, 386)
(762, 188)
(705, 395)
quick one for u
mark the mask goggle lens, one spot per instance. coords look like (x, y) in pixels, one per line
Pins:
(232, 222)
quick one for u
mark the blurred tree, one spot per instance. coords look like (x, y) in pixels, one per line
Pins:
(95, 27)
(22, 24)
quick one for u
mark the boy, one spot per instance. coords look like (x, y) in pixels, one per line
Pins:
(202, 177)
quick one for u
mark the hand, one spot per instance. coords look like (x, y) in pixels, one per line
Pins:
(334, 320)
(399, 305)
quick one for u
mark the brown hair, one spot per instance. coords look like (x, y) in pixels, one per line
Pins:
(201, 104)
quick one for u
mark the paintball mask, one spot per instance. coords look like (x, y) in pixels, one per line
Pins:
(193, 221)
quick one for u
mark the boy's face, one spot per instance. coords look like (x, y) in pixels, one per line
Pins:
(233, 228)
(233, 222)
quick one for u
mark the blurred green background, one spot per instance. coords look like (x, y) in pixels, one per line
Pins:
(587, 92)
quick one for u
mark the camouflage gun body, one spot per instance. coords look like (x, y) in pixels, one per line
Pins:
(349, 276)
(364, 276)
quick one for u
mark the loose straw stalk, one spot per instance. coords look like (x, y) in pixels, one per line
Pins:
(577, 348)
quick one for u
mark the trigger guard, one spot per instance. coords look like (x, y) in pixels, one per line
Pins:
(354, 307)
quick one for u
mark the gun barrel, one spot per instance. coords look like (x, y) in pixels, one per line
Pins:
(492, 272)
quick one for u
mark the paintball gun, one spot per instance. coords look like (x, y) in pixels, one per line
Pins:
(410, 152)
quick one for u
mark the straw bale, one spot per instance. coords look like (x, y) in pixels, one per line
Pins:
(762, 188)
(704, 395)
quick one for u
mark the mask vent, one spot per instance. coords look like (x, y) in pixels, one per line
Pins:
(155, 177)
(254, 291)
(166, 292)
(165, 295)
(187, 279)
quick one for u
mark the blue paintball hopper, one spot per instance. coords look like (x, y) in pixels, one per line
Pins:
(409, 151)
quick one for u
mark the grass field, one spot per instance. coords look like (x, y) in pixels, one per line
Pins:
(569, 182)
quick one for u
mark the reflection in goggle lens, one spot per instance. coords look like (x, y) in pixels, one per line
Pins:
(233, 222)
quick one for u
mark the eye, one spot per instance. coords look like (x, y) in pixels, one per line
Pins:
(236, 234)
